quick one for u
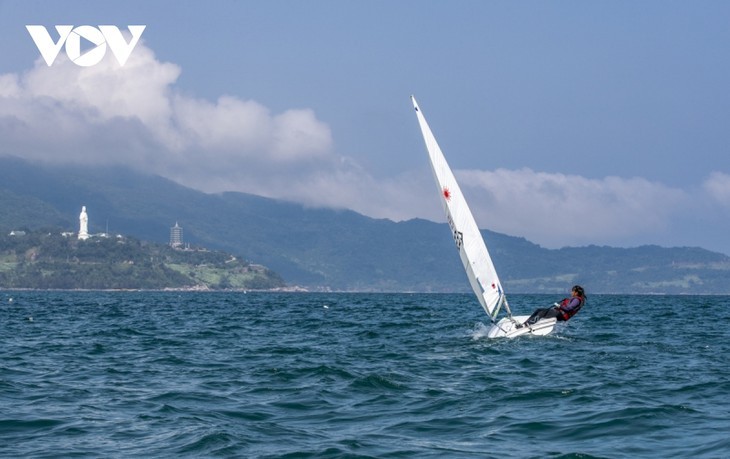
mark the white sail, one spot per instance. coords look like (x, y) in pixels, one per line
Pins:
(472, 249)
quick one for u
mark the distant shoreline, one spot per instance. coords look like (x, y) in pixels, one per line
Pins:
(176, 289)
(304, 290)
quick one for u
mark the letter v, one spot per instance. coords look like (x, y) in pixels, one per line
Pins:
(118, 44)
(49, 50)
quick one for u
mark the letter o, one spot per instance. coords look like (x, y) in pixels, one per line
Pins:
(73, 46)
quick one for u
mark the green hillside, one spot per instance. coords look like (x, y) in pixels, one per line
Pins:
(50, 260)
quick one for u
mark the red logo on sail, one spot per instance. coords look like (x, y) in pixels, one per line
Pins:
(447, 193)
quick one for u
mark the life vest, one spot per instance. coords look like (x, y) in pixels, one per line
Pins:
(567, 314)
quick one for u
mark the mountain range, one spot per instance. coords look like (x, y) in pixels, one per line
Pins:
(330, 249)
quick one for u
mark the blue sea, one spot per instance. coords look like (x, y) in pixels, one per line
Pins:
(300, 375)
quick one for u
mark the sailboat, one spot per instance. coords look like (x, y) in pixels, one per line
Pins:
(473, 251)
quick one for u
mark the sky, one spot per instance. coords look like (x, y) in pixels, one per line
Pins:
(568, 123)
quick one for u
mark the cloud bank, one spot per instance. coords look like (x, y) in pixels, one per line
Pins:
(134, 116)
(557, 208)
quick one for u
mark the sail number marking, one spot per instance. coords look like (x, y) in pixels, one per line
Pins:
(458, 235)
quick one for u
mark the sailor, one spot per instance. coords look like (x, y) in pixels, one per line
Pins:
(564, 310)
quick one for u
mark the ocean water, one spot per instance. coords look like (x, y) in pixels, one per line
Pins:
(169, 374)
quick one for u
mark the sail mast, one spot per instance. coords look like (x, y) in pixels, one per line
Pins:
(467, 237)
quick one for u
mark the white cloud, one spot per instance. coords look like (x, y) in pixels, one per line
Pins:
(133, 115)
(105, 91)
(9, 86)
(717, 186)
(557, 209)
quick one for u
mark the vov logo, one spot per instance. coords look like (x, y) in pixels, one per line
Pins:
(71, 36)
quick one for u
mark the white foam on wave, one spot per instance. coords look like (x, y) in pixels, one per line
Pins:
(480, 331)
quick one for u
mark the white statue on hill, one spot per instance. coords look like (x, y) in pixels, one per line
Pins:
(83, 224)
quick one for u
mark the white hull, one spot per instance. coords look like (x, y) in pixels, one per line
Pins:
(507, 327)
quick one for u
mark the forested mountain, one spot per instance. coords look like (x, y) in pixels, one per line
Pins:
(333, 249)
